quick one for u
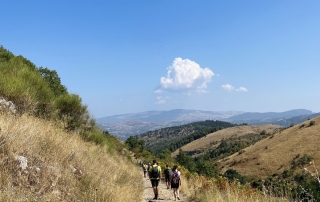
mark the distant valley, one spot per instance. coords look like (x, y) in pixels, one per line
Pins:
(126, 125)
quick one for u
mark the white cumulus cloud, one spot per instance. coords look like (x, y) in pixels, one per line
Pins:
(185, 75)
(161, 100)
(242, 89)
(228, 87)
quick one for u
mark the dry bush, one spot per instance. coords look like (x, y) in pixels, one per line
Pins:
(61, 166)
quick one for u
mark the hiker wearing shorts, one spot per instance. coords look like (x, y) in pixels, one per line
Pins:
(175, 182)
(167, 174)
(155, 176)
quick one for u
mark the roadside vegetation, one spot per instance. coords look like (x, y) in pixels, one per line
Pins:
(50, 147)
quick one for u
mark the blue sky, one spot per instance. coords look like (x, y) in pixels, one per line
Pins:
(134, 56)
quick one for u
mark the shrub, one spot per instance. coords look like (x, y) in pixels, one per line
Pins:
(233, 174)
(71, 111)
(287, 173)
(241, 151)
(25, 88)
(263, 132)
(312, 123)
(299, 162)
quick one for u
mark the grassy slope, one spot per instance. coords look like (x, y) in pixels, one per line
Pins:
(104, 176)
(203, 143)
(273, 155)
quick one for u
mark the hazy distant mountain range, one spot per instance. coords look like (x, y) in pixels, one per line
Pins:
(125, 125)
(171, 115)
(278, 118)
(270, 115)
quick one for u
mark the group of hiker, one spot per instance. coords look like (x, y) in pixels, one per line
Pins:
(172, 177)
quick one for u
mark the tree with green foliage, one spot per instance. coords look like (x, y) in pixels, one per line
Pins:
(53, 80)
(165, 155)
(206, 168)
(5, 55)
(186, 161)
(132, 142)
(232, 175)
(135, 144)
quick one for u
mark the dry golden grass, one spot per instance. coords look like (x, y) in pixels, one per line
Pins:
(274, 154)
(70, 169)
(204, 143)
(202, 189)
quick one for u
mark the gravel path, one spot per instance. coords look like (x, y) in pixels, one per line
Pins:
(164, 193)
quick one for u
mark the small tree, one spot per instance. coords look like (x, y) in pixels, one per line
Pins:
(233, 174)
(71, 111)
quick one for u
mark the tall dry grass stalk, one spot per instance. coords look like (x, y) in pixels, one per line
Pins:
(199, 188)
(61, 166)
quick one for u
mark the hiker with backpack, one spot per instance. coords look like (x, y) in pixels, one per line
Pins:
(175, 182)
(155, 176)
(167, 174)
(145, 170)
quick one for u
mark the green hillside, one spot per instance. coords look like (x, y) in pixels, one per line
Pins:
(175, 137)
(51, 149)
(38, 91)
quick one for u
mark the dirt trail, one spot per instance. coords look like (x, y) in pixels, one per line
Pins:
(164, 193)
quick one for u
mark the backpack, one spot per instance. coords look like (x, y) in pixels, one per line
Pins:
(145, 167)
(167, 171)
(175, 178)
(154, 172)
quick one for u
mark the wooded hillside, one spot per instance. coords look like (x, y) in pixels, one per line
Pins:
(175, 137)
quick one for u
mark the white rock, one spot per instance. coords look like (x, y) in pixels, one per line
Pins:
(12, 109)
(74, 170)
(7, 105)
(37, 170)
(23, 162)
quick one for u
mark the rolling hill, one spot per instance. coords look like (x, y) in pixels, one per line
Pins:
(212, 140)
(277, 154)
